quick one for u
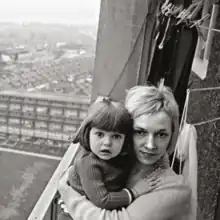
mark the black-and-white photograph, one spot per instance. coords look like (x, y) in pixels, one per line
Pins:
(110, 110)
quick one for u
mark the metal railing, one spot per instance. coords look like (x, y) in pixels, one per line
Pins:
(48, 199)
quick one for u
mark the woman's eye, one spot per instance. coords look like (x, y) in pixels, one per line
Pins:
(140, 132)
(99, 134)
(162, 135)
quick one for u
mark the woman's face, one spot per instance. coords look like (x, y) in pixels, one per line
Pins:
(152, 134)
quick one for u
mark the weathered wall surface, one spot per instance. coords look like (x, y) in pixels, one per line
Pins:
(120, 24)
(204, 106)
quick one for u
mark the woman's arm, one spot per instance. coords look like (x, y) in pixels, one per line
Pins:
(92, 180)
(74, 203)
(163, 204)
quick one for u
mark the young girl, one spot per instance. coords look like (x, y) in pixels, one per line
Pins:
(105, 158)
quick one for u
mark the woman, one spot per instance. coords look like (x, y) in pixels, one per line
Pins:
(155, 113)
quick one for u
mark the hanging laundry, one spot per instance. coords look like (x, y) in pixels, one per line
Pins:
(179, 157)
(187, 153)
(175, 47)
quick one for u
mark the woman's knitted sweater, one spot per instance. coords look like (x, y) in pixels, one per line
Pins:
(170, 201)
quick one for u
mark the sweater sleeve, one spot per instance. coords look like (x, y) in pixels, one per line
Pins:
(92, 179)
(168, 202)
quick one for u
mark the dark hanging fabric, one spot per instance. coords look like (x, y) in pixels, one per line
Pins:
(174, 61)
(188, 42)
(163, 62)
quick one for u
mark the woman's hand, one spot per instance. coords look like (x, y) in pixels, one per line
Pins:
(62, 185)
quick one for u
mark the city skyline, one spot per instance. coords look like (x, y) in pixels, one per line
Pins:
(49, 11)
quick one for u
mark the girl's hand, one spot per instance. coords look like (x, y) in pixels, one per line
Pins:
(145, 186)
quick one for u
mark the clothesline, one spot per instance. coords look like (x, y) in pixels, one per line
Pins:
(187, 102)
(207, 28)
(206, 122)
(204, 89)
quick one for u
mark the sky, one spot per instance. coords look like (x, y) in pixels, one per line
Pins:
(51, 11)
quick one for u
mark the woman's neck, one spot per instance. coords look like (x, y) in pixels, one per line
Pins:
(140, 170)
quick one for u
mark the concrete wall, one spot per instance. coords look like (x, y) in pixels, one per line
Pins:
(119, 26)
(205, 106)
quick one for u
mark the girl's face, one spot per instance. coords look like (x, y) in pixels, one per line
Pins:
(152, 134)
(105, 144)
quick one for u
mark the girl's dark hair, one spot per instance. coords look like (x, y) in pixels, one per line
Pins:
(107, 115)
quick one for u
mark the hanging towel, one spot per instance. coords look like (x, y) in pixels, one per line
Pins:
(187, 152)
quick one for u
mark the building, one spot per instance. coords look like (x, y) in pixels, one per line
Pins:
(42, 116)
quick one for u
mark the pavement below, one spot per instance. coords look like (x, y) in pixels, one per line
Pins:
(23, 178)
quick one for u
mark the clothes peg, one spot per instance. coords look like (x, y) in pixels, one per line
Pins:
(173, 8)
(177, 10)
(181, 13)
(169, 12)
(165, 4)
(186, 13)
(167, 8)
(195, 8)
(184, 16)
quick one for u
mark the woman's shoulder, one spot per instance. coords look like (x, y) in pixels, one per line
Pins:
(176, 186)
(171, 198)
(169, 177)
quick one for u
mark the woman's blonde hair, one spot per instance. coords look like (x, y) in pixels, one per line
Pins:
(150, 99)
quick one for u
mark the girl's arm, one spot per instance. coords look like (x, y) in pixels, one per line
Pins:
(92, 180)
(165, 203)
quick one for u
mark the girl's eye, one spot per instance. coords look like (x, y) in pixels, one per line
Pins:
(99, 134)
(117, 136)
